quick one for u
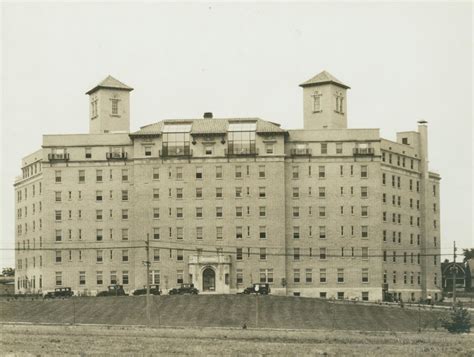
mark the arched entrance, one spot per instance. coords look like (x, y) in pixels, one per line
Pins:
(208, 280)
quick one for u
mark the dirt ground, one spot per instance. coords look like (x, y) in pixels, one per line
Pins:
(48, 340)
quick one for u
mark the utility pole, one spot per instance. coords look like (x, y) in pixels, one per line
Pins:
(147, 262)
(454, 275)
(256, 310)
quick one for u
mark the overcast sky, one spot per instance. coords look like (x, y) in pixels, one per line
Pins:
(404, 62)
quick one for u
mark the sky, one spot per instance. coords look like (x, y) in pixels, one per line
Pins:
(404, 62)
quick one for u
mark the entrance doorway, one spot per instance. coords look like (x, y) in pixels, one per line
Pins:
(208, 280)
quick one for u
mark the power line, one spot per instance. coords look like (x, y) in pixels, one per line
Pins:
(288, 254)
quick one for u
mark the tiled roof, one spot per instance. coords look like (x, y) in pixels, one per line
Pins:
(209, 126)
(110, 82)
(322, 78)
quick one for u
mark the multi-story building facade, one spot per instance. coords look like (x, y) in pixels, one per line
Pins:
(324, 211)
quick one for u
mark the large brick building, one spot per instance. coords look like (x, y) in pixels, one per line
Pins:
(323, 211)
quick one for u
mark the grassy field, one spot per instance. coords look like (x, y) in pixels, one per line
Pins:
(220, 311)
(20, 340)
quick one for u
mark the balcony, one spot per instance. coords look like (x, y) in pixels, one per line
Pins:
(181, 151)
(301, 152)
(249, 151)
(116, 155)
(363, 151)
(58, 157)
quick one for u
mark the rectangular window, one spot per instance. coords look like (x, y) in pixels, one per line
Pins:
(262, 211)
(179, 173)
(322, 253)
(322, 171)
(125, 255)
(156, 173)
(198, 173)
(296, 253)
(263, 232)
(179, 254)
(340, 275)
(364, 192)
(99, 235)
(58, 215)
(309, 275)
(156, 213)
(156, 255)
(156, 233)
(324, 148)
(179, 233)
(338, 148)
(239, 276)
(59, 278)
(125, 214)
(124, 195)
(57, 195)
(322, 192)
(238, 232)
(156, 193)
(82, 176)
(322, 275)
(218, 172)
(219, 233)
(364, 231)
(269, 148)
(364, 173)
(296, 275)
(238, 254)
(99, 278)
(219, 212)
(263, 253)
(322, 232)
(238, 172)
(59, 235)
(296, 232)
(365, 253)
(57, 179)
(261, 171)
(322, 211)
(261, 192)
(295, 172)
(198, 232)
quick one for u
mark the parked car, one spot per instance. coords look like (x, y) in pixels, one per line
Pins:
(59, 293)
(184, 289)
(113, 290)
(260, 288)
(154, 290)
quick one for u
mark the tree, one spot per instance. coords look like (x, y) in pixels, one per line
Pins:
(8, 272)
(458, 321)
(468, 254)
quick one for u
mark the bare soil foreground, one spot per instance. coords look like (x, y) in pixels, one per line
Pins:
(221, 311)
(37, 340)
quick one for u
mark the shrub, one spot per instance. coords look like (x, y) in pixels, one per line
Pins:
(458, 321)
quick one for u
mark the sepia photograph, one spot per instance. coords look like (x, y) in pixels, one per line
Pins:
(236, 178)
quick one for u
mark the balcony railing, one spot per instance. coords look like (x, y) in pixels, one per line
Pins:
(363, 151)
(183, 151)
(301, 152)
(250, 151)
(116, 155)
(58, 157)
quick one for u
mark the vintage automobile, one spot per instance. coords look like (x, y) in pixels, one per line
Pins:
(260, 288)
(113, 290)
(184, 289)
(59, 293)
(154, 290)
